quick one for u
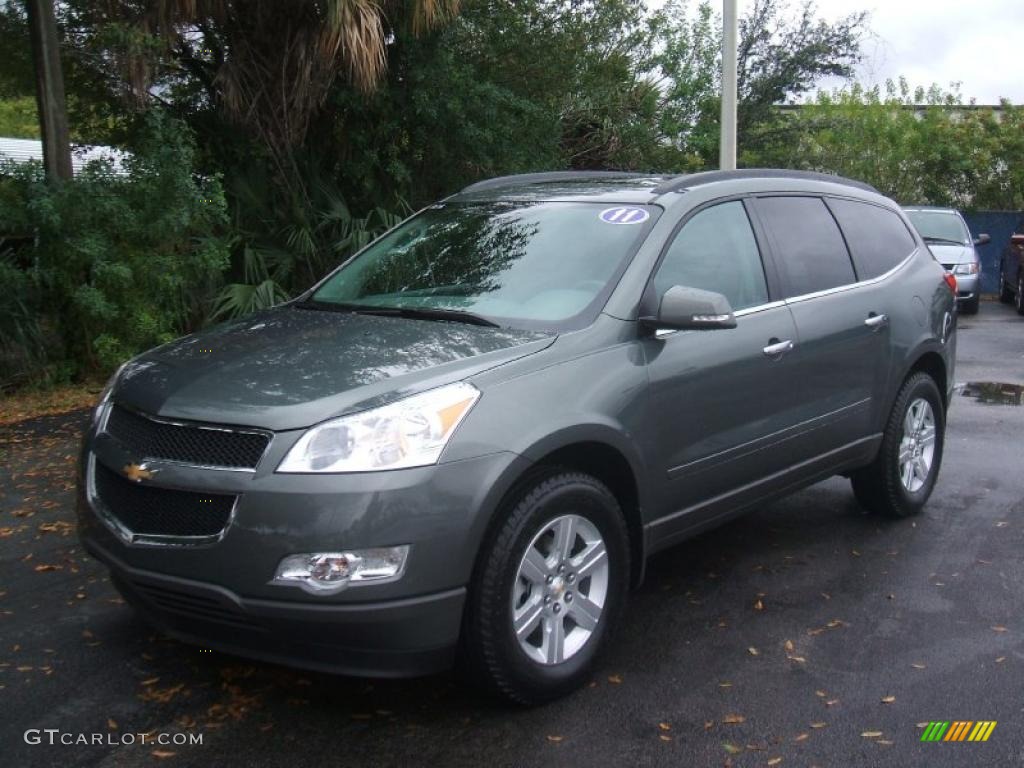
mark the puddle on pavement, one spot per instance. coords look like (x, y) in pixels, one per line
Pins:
(993, 392)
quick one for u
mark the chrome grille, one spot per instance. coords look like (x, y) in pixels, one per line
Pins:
(196, 444)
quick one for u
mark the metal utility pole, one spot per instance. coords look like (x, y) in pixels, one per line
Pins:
(53, 114)
(727, 150)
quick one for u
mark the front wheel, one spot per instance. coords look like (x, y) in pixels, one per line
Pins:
(901, 478)
(1005, 291)
(550, 583)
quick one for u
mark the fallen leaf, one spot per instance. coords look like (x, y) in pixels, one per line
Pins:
(817, 726)
(918, 666)
(888, 699)
(885, 742)
(150, 681)
(799, 659)
(725, 684)
(1002, 524)
(162, 754)
(775, 761)
(664, 737)
(802, 737)
(43, 568)
(999, 629)
(1000, 660)
(759, 606)
(554, 739)
(732, 749)
(111, 724)
(789, 646)
(753, 651)
(822, 694)
(733, 719)
(831, 702)
(855, 553)
(871, 734)
(665, 726)
(709, 724)
(615, 679)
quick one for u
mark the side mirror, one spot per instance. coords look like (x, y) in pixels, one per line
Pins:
(982, 240)
(692, 309)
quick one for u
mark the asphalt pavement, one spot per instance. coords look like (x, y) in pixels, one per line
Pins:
(806, 633)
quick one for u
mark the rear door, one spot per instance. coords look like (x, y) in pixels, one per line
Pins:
(842, 351)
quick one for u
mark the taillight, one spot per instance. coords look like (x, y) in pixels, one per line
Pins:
(951, 282)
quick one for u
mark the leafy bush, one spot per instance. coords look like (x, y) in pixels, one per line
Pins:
(114, 263)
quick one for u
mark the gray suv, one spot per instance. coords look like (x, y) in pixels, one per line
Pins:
(464, 443)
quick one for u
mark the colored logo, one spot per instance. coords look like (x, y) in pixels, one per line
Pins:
(136, 472)
(624, 215)
(958, 730)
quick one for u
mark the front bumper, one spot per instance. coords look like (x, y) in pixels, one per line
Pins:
(219, 593)
(967, 286)
(396, 638)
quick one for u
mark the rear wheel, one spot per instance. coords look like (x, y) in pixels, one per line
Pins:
(550, 584)
(901, 478)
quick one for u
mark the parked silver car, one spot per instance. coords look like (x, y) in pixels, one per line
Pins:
(947, 235)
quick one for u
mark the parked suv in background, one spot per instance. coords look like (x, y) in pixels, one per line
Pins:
(1011, 270)
(466, 441)
(946, 233)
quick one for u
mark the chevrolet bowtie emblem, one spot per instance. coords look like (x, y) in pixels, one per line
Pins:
(136, 472)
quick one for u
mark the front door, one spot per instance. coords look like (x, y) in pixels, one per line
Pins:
(723, 402)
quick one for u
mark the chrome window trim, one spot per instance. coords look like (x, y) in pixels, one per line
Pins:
(194, 425)
(131, 538)
(850, 286)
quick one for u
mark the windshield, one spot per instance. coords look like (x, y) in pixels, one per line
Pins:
(940, 225)
(546, 265)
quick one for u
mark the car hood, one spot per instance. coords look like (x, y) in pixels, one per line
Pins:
(290, 368)
(953, 254)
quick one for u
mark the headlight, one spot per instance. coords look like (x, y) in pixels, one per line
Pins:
(967, 269)
(108, 388)
(409, 433)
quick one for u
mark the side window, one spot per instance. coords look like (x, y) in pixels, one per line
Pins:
(878, 238)
(716, 251)
(811, 253)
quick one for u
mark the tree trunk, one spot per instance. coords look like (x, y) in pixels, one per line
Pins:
(53, 113)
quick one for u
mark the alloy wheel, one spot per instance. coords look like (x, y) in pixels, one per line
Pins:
(917, 446)
(560, 589)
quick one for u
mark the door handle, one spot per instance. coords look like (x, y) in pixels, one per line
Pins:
(778, 348)
(876, 322)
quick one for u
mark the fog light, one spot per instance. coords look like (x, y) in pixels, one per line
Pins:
(325, 572)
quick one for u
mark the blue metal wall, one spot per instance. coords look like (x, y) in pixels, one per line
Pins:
(999, 225)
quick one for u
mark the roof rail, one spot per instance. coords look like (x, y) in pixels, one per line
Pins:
(686, 181)
(550, 176)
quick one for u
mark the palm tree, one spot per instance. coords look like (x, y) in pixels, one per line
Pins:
(268, 64)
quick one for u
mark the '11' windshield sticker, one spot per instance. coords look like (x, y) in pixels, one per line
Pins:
(624, 215)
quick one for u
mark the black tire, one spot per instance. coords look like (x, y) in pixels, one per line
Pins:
(1019, 298)
(1005, 292)
(493, 653)
(970, 307)
(878, 487)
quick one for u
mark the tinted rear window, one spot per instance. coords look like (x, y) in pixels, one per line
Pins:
(878, 238)
(810, 251)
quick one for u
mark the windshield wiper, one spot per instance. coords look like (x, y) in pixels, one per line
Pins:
(456, 315)
(417, 313)
(929, 239)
